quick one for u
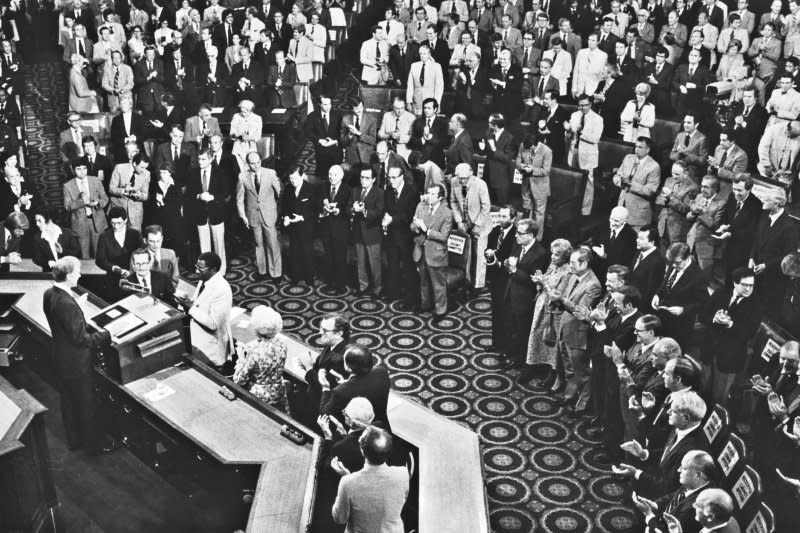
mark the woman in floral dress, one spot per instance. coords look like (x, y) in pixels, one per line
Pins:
(259, 368)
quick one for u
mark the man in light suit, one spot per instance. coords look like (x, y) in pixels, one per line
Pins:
(164, 259)
(374, 57)
(528, 57)
(425, 80)
(201, 127)
(500, 150)
(257, 194)
(432, 224)
(562, 64)
(512, 38)
(209, 310)
(129, 188)
(71, 139)
(728, 161)
(691, 147)
(581, 289)
(301, 52)
(85, 199)
(454, 6)
(585, 127)
(80, 44)
(534, 161)
(589, 65)
(778, 149)
(674, 200)
(765, 51)
(470, 204)
(396, 126)
(705, 212)
(117, 81)
(638, 178)
(366, 206)
(358, 136)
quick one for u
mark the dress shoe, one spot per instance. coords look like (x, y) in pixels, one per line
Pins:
(557, 387)
(408, 308)
(577, 413)
(437, 318)
(595, 422)
(510, 363)
(527, 375)
(276, 279)
(565, 401)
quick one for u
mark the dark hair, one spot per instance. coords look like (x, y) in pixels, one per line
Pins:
(211, 260)
(152, 229)
(89, 139)
(359, 359)
(431, 101)
(678, 251)
(117, 212)
(651, 322)
(630, 295)
(376, 445)
(688, 372)
(741, 272)
(652, 233)
(340, 324)
(297, 167)
(647, 141)
(621, 271)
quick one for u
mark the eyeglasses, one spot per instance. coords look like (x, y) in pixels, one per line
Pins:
(200, 267)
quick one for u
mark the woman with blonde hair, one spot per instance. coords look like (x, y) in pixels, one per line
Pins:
(259, 367)
(547, 317)
(639, 115)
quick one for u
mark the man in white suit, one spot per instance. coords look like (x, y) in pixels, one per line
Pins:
(638, 178)
(209, 310)
(257, 196)
(585, 127)
(117, 81)
(589, 64)
(301, 51)
(562, 64)
(374, 57)
(425, 80)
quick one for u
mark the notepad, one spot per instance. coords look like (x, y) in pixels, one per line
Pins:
(159, 393)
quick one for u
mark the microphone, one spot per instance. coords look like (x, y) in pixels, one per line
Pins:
(133, 287)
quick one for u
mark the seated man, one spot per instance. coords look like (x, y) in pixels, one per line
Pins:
(144, 280)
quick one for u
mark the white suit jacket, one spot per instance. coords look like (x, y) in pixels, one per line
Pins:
(589, 65)
(403, 124)
(562, 69)
(370, 74)
(433, 87)
(588, 148)
(210, 326)
(303, 51)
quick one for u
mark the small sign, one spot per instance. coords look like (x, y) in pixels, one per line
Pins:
(456, 243)
(517, 177)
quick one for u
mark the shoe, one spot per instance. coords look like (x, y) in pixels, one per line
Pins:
(527, 375)
(595, 422)
(510, 364)
(594, 432)
(577, 413)
(276, 279)
(437, 318)
(557, 387)
(549, 380)
(562, 402)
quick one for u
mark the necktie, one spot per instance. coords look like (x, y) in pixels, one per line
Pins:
(734, 302)
(464, 191)
(363, 195)
(525, 58)
(205, 180)
(541, 87)
(257, 182)
(325, 122)
(658, 69)
(377, 51)
(505, 36)
(358, 123)
(228, 36)
(81, 48)
(422, 75)
(145, 285)
(673, 438)
(738, 207)
(116, 79)
(691, 71)
(333, 193)
(687, 139)
(676, 499)
(616, 20)
(156, 261)
(612, 236)
(419, 26)
(453, 6)
(133, 176)
(174, 153)
(638, 260)
(673, 276)
(722, 158)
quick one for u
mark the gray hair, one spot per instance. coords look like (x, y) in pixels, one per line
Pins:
(266, 319)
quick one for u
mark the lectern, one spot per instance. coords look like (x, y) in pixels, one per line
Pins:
(27, 494)
(146, 336)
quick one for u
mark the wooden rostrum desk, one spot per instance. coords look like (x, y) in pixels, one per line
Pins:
(227, 456)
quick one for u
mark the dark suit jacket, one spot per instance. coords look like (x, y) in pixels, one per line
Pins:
(161, 285)
(338, 226)
(212, 212)
(689, 292)
(221, 74)
(379, 170)
(284, 95)
(181, 167)
(433, 148)
(441, 54)
(118, 135)
(508, 99)
(693, 97)
(307, 204)
(679, 505)
(502, 249)
(316, 129)
(771, 244)
(8, 199)
(521, 291)
(256, 73)
(42, 253)
(109, 252)
(743, 226)
(728, 346)
(663, 86)
(555, 139)
(648, 275)
(367, 224)
(402, 212)
(72, 342)
(101, 163)
(500, 162)
(171, 76)
(662, 476)
(400, 64)
(620, 251)
(373, 386)
(459, 151)
(749, 135)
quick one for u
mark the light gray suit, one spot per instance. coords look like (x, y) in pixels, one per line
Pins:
(641, 179)
(124, 85)
(258, 207)
(86, 227)
(473, 212)
(133, 204)
(430, 254)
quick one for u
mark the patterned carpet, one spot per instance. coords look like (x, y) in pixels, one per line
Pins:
(540, 466)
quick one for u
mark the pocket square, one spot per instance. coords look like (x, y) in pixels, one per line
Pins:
(303, 199)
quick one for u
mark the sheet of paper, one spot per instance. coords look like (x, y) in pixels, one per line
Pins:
(184, 289)
(278, 111)
(113, 313)
(236, 312)
(121, 326)
(159, 393)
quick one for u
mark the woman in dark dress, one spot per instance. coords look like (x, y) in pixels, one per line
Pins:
(52, 242)
(166, 198)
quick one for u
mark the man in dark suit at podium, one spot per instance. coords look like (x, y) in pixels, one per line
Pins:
(156, 283)
(72, 354)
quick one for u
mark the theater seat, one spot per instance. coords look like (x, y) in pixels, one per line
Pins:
(663, 133)
(612, 153)
(564, 205)
(716, 426)
(762, 522)
(732, 455)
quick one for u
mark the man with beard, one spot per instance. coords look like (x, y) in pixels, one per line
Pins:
(498, 248)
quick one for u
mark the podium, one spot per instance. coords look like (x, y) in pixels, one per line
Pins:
(27, 493)
(146, 336)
